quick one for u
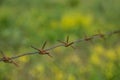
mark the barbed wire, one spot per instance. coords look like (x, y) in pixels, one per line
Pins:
(66, 43)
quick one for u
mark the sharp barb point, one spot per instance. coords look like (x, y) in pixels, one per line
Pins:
(44, 45)
(35, 48)
(67, 39)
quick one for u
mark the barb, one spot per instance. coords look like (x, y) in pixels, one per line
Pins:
(42, 51)
(62, 43)
(6, 59)
(100, 34)
(66, 43)
(87, 38)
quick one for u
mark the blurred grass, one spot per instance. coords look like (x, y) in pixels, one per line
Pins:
(31, 22)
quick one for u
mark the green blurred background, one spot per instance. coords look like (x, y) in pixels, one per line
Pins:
(31, 22)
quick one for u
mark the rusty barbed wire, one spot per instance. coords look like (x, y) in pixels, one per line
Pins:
(42, 50)
(66, 43)
(61, 43)
(7, 59)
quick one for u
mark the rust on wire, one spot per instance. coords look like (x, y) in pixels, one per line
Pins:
(42, 51)
(7, 59)
(118, 31)
(86, 38)
(100, 34)
(66, 43)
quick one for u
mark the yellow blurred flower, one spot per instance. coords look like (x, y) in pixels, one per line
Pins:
(95, 59)
(111, 55)
(59, 76)
(73, 19)
(97, 52)
(99, 49)
(69, 20)
(40, 68)
(86, 20)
